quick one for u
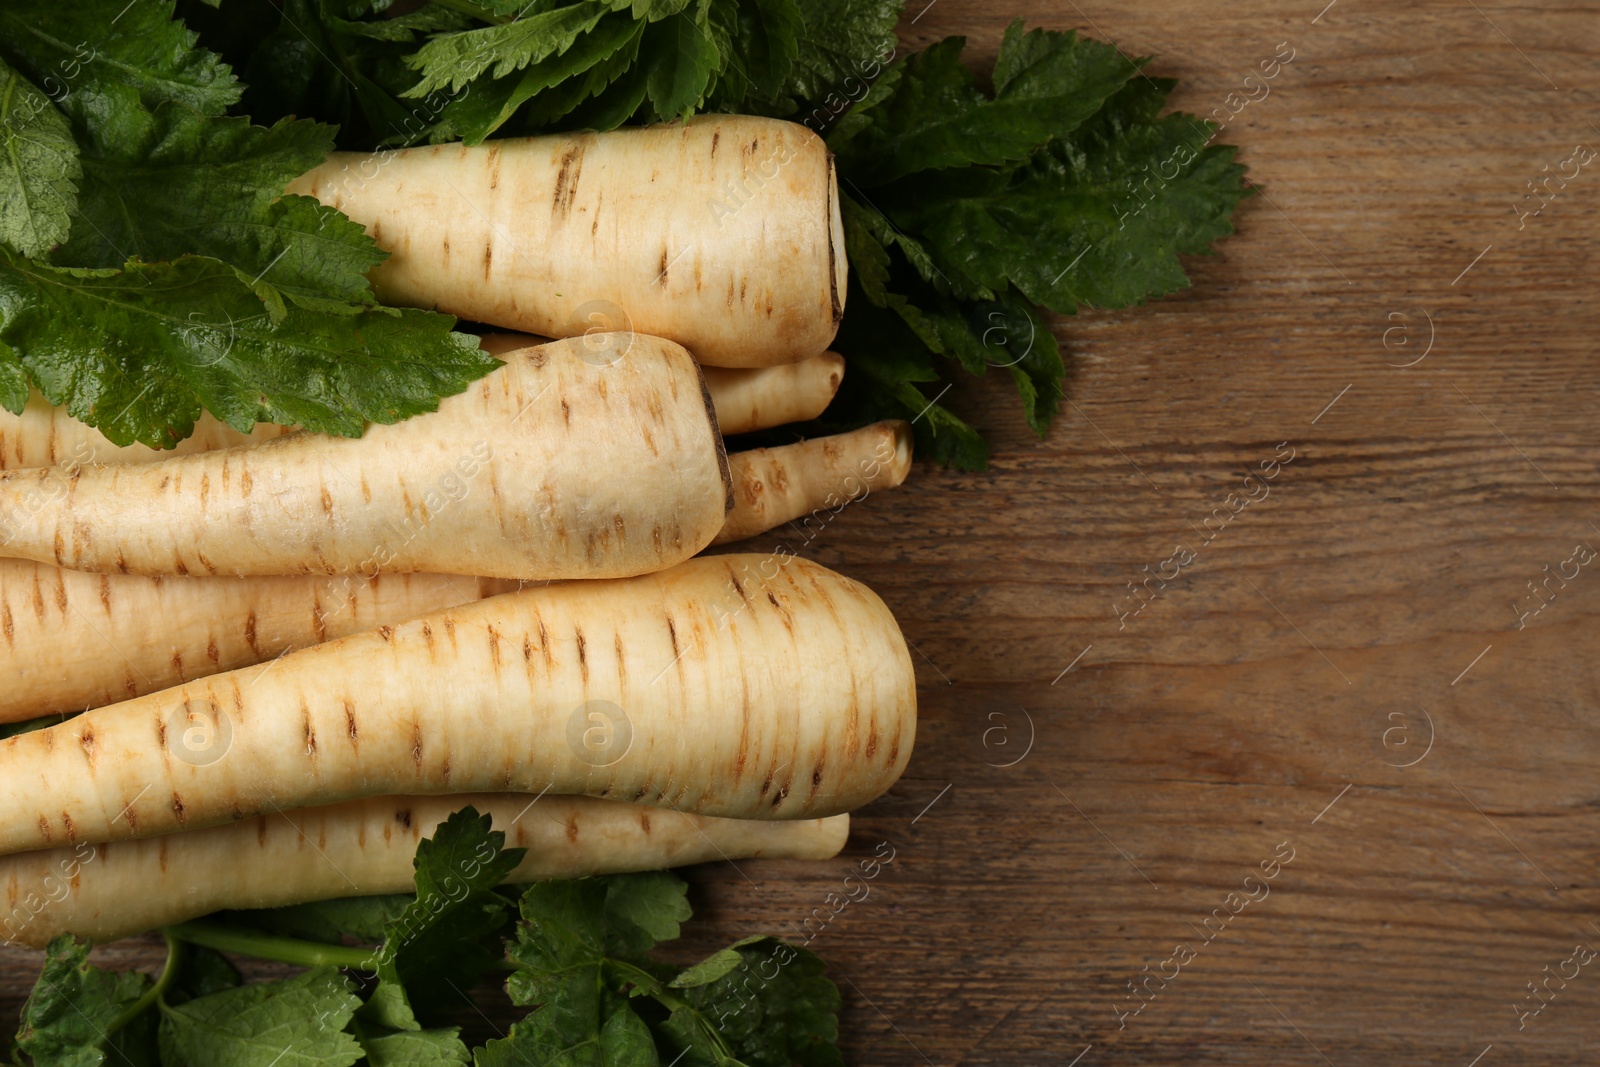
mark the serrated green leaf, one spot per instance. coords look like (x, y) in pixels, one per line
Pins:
(214, 187)
(110, 64)
(1046, 84)
(416, 1048)
(452, 60)
(775, 1008)
(139, 352)
(14, 385)
(843, 45)
(592, 63)
(65, 1020)
(1099, 218)
(298, 1022)
(682, 59)
(441, 942)
(39, 168)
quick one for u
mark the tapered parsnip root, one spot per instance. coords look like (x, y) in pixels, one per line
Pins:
(553, 466)
(739, 685)
(722, 233)
(756, 398)
(72, 640)
(107, 891)
(772, 486)
(46, 436)
(745, 400)
(773, 396)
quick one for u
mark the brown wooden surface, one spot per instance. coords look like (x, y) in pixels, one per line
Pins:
(1257, 690)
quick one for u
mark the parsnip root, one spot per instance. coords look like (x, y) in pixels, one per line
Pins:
(772, 486)
(722, 233)
(738, 685)
(553, 466)
(112, 890)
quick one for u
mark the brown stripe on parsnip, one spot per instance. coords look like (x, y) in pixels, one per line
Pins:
(494, 167)
(309, 731)
(205, 488)
(488, 258)
(403, 817)
(386, 632)
(566, 189)
(86, 742)
(105, 593)
(122, 564)
(179, 812)
(161, 853)
(66, 823)
(350, 723)
(8, 624)
(494, 648)
(427, 639)
(261, 832)
(661, 278)
(583, 654)
(622, 669)
(44, 830)
(61, 593)
(446, 260)
(416, 746)
(572, 828)
(318, 620)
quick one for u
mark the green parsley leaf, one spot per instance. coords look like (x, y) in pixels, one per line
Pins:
(683, 58)
(442, 942)
(138, 352)
(109, 63)
(771, 1002)
(1099, 218)
(453, 60)
(39, 168)
(416, 1048)
(298, 1022)
(214, 187)
(1046, 83)
(65, 1020)
(842, 45)
(562, 82)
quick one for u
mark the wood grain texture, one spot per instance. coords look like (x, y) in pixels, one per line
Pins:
(1299, 659)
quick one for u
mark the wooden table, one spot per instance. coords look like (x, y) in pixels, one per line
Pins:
(1339, 676)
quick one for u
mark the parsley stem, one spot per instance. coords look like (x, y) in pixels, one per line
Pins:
(169, 972)
(226, 938)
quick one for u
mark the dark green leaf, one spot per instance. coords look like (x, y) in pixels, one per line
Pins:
(776, 1007)
(39, 169)
(65, 1020)
(138, 352)
(1097, 218)
(682, 58)
(441, 943)
(454, 59)
(415, 1048)
(214, 187)
(298, 1022)
(1046, 83)
(110, 63)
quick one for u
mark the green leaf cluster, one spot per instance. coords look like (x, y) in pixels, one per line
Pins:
(150, 265)
(579, 955)
(968, 211)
